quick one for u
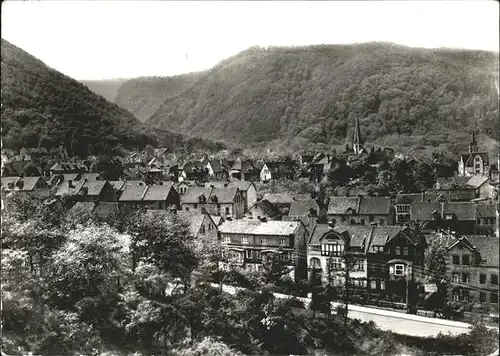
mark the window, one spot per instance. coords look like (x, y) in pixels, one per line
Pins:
(353, 222)
(493, 298)
(362, 221)
(398, 250)
(359, 265)
(482, 278)
(382, 285)
(494, 279)
(381, 222)
(283, 241)
(249, 253)
(465, 260)
(456, 259)
(465, 277)
(244, 240)
(482, 297)
(405, 251)
(187, 208)
(227, 239)
(202, 229)
(399, 270)
(456, 297)
(372, 218)
(373, 285)
(196, 206)
(257, 255)
(378, 249)
(227, 210)
(455, 277)
(315, 262)
(263, 241)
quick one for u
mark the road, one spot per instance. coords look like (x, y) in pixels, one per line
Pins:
(390, 320)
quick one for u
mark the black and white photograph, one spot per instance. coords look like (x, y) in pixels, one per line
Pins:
(229, 178)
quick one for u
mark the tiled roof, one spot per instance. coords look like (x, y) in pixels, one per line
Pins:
(384, 234)
(9, 181)
(256, 227)
(318, 231)
(104, 209)
(469, 158)
(194, 219)
(30, 182)
(477, 181)
(266, 207)
(192, 194)
(133, 192)
(424, 211)
(375, 205)
(64, 188)
(71, 176)
(409, 198)
(359, 234)
(214, 184)
(91, 176)
(303, 207)
(279, 198)
(240, 184)
(276, 167)
(487, 246)
(94, 187)
(486, 210)
(117, 184)
(224, 195)
(216, 165)
(217, 220)
(158, 192)
(339, 205)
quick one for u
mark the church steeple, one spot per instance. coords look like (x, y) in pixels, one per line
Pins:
(473, 143)
(357, 142)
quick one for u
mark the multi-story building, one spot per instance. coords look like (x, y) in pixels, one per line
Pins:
(384, 258)
(226, 202)
(361, 210)
(249, 242)
(473, 270)
(474, 162)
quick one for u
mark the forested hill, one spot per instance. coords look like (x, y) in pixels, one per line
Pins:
(42, 107)
(292, 98)
(107, 88)
(143, 96)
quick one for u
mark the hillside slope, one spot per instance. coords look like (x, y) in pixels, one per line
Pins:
(290, 98)
(107, 88)
(143, 96)
(42, 107)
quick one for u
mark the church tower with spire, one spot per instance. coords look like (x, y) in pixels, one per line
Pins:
(357, 142)
(473, 147)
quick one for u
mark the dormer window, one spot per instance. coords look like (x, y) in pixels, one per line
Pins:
(214, 199)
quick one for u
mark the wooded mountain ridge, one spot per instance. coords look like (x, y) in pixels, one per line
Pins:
(42, 107)
(292, 98)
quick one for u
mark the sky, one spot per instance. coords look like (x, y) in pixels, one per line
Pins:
(125, 39)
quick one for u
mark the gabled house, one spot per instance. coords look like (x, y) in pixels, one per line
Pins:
(95, 191)
(404, 201)
(244, 170)
(250, 242)
(361, 210)
(25, 184)
(217, 169)
(273, 171)
(193, 170)
(201, 224)
(284, 201)
(263, 210)
(482, 185)
(226, 202)
(459, 217)
(383, 256)
(473, 272)
(248, 191)
(162, 197)
(56, 179)
(304, 208)
(67, 167)
(133, 193)
(486, 218)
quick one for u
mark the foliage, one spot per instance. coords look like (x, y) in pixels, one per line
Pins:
(42, 107)
(436, 258)
(206, 347)
(305, 97)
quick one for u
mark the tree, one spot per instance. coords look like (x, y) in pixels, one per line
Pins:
(436, 259)
(109, 167)
(274, 268)
(208, 346)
